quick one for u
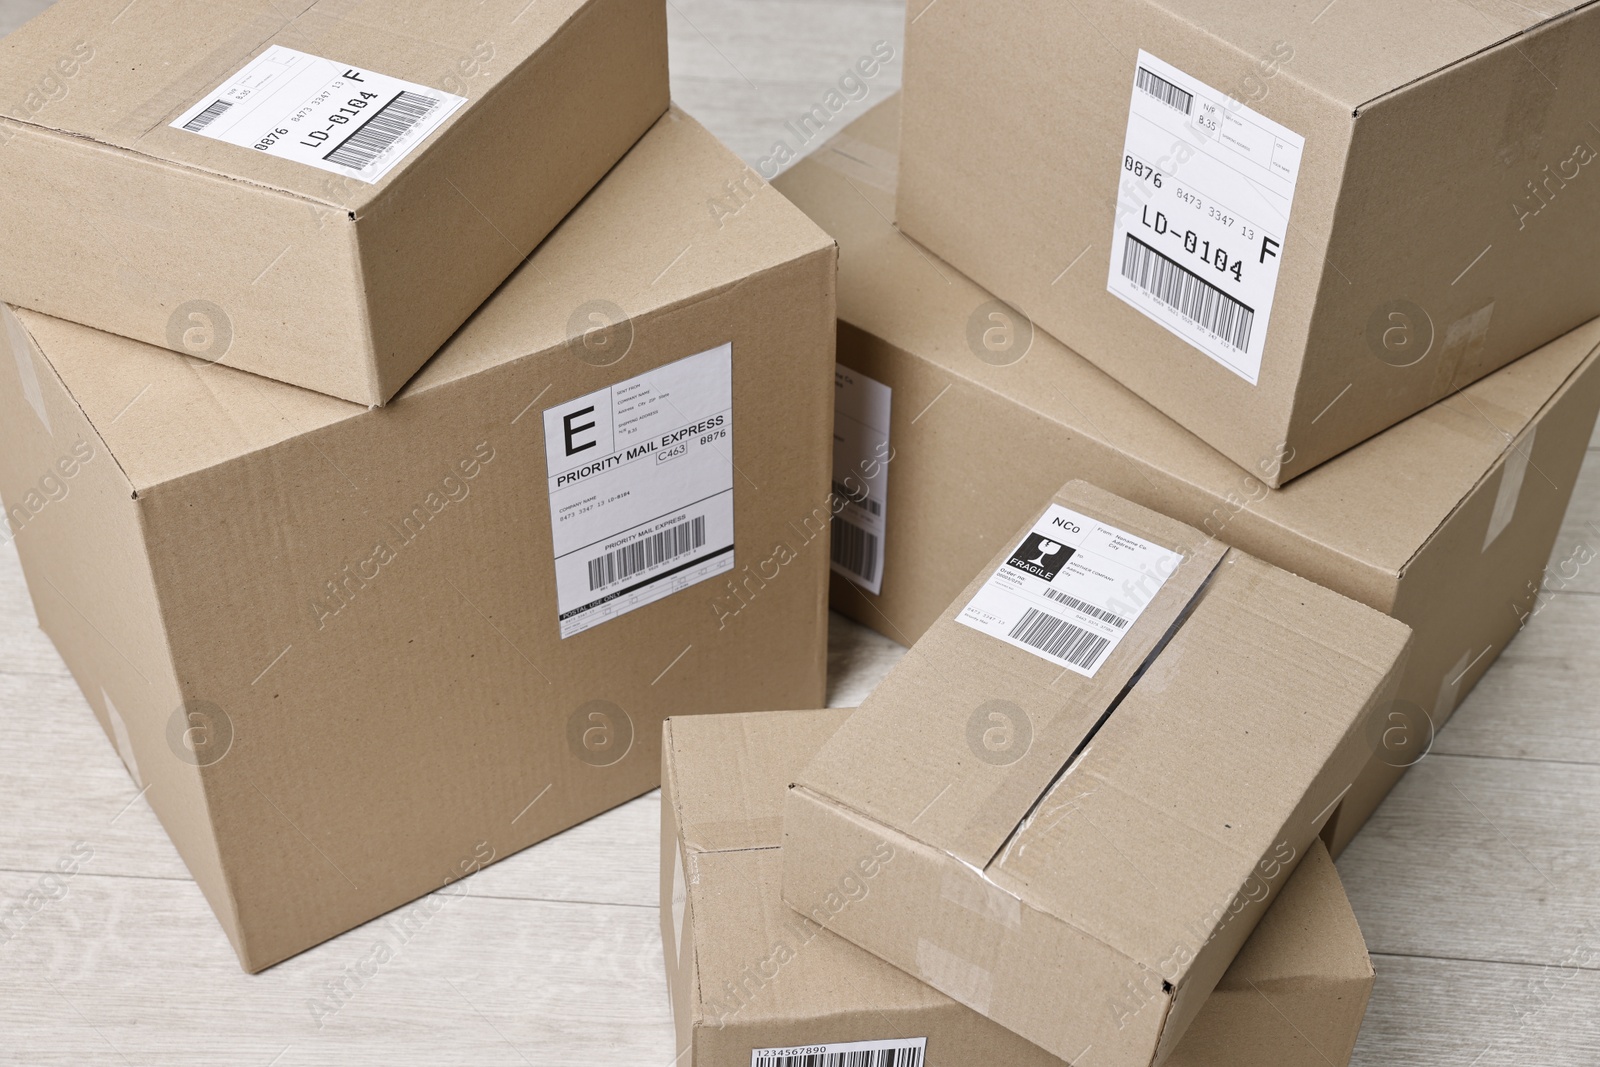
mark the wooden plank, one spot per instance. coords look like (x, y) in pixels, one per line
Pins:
(1475, 858)
(1450, 1013)
(125, 970)
(1538, 701)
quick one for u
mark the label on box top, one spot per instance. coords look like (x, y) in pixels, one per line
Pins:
(860, 476)
(897, 1052)
(1202, 214)
(1071, 590)
(332, 116)
(641, 488)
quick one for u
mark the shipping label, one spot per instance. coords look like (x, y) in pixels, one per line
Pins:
(860, 476)
(641, 488)
(1202, 214)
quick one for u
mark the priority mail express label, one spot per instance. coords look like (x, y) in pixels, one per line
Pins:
(641, 488)
(1071, 590)
(1202, 214)
(332, 116)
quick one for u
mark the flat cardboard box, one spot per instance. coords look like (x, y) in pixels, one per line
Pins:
(1445, 521)
(325, 637)
(746, 973)
(1414, 183)
(1071, 802)
(258, 252)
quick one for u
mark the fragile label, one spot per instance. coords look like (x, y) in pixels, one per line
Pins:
(332, 116)
(641, 488)
(1202, 214)
(1071, 590)
(860, 476)
(897, 1052)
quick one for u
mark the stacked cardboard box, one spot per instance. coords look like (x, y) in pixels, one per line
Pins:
(1445, 521)
(355, 652)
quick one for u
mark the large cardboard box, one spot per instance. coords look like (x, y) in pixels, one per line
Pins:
(1272, 227)
(320, 194)
(746, 975)
(355, 652)
(1071, 802)
(1445, 521)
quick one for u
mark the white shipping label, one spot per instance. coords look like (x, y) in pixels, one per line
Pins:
(1071, 590)
(332, 116)
(641, 488)
(860, 475)
(898, 1052)
(1202, 214)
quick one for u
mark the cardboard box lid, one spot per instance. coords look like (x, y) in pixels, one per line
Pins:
(154, 61)
(1353, 51)
(164, 415)
(729, 775)
(1376, 505)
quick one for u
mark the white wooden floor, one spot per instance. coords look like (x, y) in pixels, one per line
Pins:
(1478, 884)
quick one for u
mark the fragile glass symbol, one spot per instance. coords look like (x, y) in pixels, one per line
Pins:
(1046, 548)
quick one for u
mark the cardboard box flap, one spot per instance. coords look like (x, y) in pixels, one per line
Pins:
(1372, 508)
(158, 60)
(1134, 842)
(729, 792)
(951, 799)
(642, 241)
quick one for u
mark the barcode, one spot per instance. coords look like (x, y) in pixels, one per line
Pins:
(647, 552)
(861, 497)
(379, 133)
(1088, 609)
(878, 1057)
(1059, 638)
(1190, 295)
(855, 549)
(208, 116)
(1164, 91)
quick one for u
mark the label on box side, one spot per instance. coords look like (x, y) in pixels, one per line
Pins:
(896, 1052)
(860, 475)
(1071, 590)
(332, 116)
(1202, 214)
(641, 488)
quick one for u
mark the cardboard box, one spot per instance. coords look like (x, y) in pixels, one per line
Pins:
(336, 643)
(1074, 798)
(1445, 521)
(1408, 217)
(745, 973)
(321, 197)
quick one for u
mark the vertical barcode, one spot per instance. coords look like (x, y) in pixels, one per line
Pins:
(861, 497)
(1190, 295)
(1059, 638)
(208, 116)
(379, 133)
(855, 549)
(647, 552)
(1088, 609)
(879, 1057)
(1164, 91)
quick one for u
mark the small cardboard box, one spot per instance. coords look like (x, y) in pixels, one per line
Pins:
(747, 974)
(1445, 521)
(352, 652)
(1071, 802)
(320, 195)
(1283, 235)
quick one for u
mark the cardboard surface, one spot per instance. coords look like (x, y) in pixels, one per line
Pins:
(745, 972)
(117, 220)
(1441, 224)
(1445, 521)
(1140, 830)
(331, 631)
